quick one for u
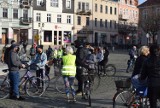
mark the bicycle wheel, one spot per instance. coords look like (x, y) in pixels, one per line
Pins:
(122, 99)
(47, 81)
(4, 89)
(35, 87)
(110, 70)
(59, 84)
(96, 82)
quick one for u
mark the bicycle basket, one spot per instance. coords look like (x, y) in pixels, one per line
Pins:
(124, 83)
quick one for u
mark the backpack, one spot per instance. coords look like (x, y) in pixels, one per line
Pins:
(6, 54)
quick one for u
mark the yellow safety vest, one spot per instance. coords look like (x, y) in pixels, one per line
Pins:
(69, 67)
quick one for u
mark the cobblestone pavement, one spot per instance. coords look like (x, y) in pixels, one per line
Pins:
(101, 98)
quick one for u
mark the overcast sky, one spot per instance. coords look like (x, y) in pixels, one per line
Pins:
(141, 1)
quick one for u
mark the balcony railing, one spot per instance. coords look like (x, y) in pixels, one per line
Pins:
(83, 12)
(25, 21)
(123, 17)
(25, 4)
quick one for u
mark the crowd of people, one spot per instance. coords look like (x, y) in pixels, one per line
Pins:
(73, 62)
(146, 71)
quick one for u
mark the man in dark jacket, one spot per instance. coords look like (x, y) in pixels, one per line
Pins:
(14, 64)
(81, 55)
(151, 71)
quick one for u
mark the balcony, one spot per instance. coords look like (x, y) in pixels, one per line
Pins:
(83, 12)
(25, 21)
(123, 17)
(25, 4)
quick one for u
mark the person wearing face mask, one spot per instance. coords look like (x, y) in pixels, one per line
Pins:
(14, 65)
(40, 60)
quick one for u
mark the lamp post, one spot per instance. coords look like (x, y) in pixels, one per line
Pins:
(147, 36)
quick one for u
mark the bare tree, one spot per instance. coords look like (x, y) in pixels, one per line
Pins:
(150, 23)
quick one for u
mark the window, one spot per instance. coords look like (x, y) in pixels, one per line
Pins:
(38, 17)
(39, 2)
(5, 13)
(96, 7)
(106, 9)
(25, 13)
(101, 23)
(145, 14)
(68, 4)
(87, 6)
(47, 36)
(101, 8)
(78, 20)
(95, 22)
(79, 5)
(106, 23)
(110, 10)
(110, 23)
(48, 17)
(54, 3)
(87, 21)
(83, 6)
(115, 11)
(15, 13)
(68, 19)
(58, 18)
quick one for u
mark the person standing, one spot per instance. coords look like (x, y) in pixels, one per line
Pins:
(144, 54)
(69, 72)
(151, 72)
(40, 60)
(81, 55)
(14, 64)
(25, 43)
(133, 55)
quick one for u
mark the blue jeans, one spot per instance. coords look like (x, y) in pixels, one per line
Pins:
(14, 83)
(141, 86)
(69, 83)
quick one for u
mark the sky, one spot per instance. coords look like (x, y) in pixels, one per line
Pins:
(141, 1)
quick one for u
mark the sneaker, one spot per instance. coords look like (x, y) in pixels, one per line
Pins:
(78, 93)
(74, 99)
(17, 98)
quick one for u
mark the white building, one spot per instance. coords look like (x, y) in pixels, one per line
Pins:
(15, 21)
(53, 21)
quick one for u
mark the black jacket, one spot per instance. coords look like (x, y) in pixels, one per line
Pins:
(81, 55)
(138, 64)
(14, 62)
(151, 71)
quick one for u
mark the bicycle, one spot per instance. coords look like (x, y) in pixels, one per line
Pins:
(87, 85)
(107, 70)
(129, 97)
(59, 83)
(28, 84)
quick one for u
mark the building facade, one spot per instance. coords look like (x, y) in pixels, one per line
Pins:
(149, 22)
(128, 22)
(53, 21)
(15, 21)
(83, 20)
(105, 20)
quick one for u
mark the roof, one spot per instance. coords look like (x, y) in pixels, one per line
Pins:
(149, 3)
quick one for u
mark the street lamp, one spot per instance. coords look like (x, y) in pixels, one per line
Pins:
(147, 36)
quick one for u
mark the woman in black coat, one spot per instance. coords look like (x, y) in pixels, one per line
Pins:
(151, 72)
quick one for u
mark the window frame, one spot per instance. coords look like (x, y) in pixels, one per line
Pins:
(59, 18)
(49, 17)
(15, 13)
(54, 3)
(38, 17)
(5, 13)
(68, 19)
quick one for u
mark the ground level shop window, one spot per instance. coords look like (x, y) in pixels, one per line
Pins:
(47, 36)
